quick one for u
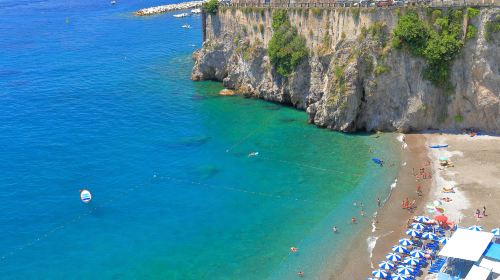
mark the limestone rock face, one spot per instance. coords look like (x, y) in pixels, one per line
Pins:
(354, 80)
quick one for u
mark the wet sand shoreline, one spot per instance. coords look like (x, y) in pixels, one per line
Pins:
(391, 218)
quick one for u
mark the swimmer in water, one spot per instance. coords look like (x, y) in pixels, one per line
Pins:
(334, 229)
(362, 213)
(355, 204)
(300, 274)
(353, 220)
(294, 249)
(253, 154)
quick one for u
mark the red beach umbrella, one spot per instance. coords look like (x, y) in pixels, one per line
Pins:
(441, 219)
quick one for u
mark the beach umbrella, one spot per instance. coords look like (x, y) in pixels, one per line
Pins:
(417, 254)
(399, 249)
(411, 261)
(393, 257)
(414, 233)
(496, 231)
(380, 273)
(407, 270)
(441, 219)
(398, 277)
(475, 228)
(386, 265)
(443, 240)
(429, 235)
(418, 226)
(422, 219)
(405, 242)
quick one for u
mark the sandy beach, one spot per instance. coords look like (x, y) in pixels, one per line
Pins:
(474, 180)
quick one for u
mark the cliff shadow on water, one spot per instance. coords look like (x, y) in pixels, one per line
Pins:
(362, 69)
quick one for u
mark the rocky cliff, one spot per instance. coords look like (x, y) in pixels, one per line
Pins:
(353, 78)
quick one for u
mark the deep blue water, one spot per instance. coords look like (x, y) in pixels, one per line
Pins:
(94, 97)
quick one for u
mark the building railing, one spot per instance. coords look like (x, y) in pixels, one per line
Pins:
(362, 3)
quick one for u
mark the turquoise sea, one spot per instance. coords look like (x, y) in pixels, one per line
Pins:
(94, 97)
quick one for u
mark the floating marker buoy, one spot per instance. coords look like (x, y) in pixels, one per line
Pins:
(85, 196)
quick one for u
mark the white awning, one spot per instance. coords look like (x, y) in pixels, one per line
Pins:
(490, 264)
(467, 245)
(477, 273)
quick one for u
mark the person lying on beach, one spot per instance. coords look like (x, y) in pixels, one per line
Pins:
(448, 190)
(446, 199)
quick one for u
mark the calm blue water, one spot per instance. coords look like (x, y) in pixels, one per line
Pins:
(91, 96)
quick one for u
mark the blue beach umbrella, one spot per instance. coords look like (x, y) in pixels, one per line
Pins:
(417, 254)
(386, 265)
(393, 257)
(405, 242)
(418, 226)
(411, 261)
(407, 270)
(496, 231)
(412, 232)
(399, 249)
(422, 219)
(380, 273)
(398, 277)
(475, 228)
(429, 235)
(443, 240)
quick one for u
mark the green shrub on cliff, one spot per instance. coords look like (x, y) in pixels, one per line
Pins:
(286, 47)
(210, 6)
(437, 44)
(492, 27)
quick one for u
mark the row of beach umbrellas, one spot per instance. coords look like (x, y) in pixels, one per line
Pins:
(414, 256)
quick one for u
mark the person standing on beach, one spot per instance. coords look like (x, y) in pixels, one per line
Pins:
(378, 202)
(484, 211)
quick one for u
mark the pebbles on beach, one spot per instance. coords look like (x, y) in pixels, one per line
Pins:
(169, 8)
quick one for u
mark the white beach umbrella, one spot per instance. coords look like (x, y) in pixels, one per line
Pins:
(380, 273)
(398, 277)
(407, 270)
(411, 261)
(429, 235)
(496, 231)
(422, 219)
(414, 233)
(417, 254)
(386, 265)
(443, 240)
(418, 226)
(476, 228)
(393, 257)
(405, 242)
(399, 249)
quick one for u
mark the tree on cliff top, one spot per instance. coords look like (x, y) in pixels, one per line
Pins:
(438, 42)
(211, 6)
(286, 47)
